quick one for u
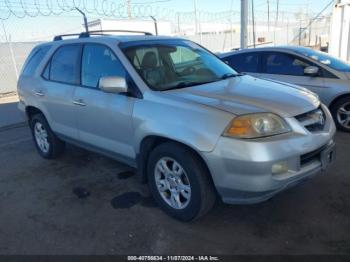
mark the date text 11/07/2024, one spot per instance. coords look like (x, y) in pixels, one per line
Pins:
(173, 258)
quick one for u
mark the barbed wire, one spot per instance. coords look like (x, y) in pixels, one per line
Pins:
(105, 8)
(111, 9)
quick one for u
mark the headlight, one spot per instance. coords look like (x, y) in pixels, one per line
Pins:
(256, 125)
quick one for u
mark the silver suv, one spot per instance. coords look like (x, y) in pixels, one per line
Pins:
(191, 125)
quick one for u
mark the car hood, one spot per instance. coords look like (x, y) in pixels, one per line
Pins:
(246, 94)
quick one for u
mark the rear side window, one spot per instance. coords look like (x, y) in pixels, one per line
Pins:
(34, 60)
(99, 61)
(65, 65)
(244, 62)
(284, 64)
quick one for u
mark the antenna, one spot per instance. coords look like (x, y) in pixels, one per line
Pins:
(85, 20)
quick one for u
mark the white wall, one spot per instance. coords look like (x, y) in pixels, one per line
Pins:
(164, 27)
(340, 31)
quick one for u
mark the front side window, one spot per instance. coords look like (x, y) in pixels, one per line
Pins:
(172, 64)
(244, 62)
(34, 60)
(64, 66)
(99, 61)
(284, 64)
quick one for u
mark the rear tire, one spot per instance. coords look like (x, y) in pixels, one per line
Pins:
(341, 114)
(180, 182)
(48, 145)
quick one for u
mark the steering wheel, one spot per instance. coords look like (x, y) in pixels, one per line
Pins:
(188, 70)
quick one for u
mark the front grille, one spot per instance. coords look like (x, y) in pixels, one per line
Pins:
(311, 156)
(314, 120)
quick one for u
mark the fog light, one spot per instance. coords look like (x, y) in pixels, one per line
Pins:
(279, 168)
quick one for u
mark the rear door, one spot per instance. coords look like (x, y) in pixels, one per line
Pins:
(61, 77)
(289, 68)
(104, 120)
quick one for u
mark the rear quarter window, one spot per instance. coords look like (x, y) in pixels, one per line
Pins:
(34, 59)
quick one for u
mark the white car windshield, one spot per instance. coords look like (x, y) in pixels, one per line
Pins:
(325, 59)
(166, 65)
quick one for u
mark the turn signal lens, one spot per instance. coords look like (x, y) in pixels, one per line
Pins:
(239, 127)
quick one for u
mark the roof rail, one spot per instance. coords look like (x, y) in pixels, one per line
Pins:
(98, 32)
(102, 32)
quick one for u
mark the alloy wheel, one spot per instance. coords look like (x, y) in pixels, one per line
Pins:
(172, 183)
(41, 137)
(343, 115)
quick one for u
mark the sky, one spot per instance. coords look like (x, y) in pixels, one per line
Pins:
(32, 28)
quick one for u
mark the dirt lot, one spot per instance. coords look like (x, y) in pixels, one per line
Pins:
(78, 205)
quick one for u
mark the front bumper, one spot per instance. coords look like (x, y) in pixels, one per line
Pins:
(242, 169)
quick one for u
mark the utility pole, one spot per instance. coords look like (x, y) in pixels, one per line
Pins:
(287, 30)
(276, 22)
(231, 26)
(268, 15)
(195, 17)
(128, 4)
(244, 23)
(253, 22)
(200, 28)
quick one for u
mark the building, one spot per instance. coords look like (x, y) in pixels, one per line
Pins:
(340, 30)
(164, 27)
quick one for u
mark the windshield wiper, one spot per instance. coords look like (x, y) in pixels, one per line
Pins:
(185, 84)
(228, 75)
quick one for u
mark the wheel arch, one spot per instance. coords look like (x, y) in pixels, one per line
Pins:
(336, 99)
(31, 111)
(150, 142)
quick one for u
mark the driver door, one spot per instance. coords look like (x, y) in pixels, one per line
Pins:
(104, 120)
(290, 69)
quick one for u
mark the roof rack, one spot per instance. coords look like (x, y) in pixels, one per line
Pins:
(98, 32)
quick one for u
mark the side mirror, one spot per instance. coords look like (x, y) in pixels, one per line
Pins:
(113, 84)
(311, 71)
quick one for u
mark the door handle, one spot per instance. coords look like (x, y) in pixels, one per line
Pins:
(39, 93)
(79, 102)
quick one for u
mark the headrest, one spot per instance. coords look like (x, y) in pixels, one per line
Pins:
(149, 60)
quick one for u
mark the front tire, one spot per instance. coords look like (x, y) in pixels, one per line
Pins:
(46, 142)
(341, 114)
(180, 182)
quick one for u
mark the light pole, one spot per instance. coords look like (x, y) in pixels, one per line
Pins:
(195, 17)
(244, 23)
(128, 3)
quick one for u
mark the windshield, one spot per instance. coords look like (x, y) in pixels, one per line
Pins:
(166, 65)
(325, 59)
